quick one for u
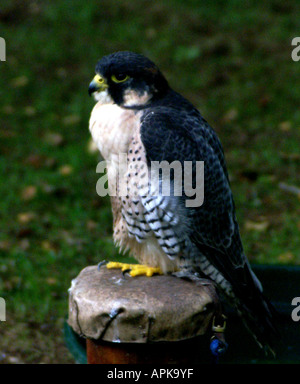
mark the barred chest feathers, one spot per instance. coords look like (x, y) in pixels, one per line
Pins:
(117, 131)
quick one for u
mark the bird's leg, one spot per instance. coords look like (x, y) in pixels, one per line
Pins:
(103, 262)
(135, 269)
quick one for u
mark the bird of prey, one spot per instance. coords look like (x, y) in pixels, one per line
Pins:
(139, 115)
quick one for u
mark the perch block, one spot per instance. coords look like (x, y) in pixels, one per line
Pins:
(140, 319)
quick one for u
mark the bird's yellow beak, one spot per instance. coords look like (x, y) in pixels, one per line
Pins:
(98, 84)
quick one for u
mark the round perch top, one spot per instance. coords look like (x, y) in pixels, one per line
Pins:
(103, 305)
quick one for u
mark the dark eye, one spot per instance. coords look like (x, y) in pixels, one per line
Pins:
(119, 77)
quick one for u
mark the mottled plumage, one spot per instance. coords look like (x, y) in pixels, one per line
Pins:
(140, 115)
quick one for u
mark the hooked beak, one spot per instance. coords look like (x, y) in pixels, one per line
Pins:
(98, 84)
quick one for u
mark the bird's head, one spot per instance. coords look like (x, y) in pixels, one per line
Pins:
(127, 79)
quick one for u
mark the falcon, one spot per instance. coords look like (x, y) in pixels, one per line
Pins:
(139, 116)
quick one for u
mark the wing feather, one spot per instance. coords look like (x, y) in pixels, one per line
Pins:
(170, 135)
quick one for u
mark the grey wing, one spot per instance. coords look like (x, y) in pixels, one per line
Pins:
(169, 135)
(211, 228)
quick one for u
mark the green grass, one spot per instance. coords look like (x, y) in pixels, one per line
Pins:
(231, 59)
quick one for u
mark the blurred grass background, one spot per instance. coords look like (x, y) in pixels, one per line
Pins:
(232, 59)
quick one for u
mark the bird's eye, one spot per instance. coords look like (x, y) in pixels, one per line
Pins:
(119, 78)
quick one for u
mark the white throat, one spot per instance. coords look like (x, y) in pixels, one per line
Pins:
(112, 127)
(133, 99)
(103, 97)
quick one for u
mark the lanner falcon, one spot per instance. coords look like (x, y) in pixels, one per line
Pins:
(138, 115)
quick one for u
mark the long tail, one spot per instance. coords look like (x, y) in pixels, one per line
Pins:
(259, 315)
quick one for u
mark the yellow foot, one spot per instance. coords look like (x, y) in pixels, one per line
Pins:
(135, 269)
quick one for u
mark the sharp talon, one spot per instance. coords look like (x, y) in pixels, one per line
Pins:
(126, 271)
(103, 262)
